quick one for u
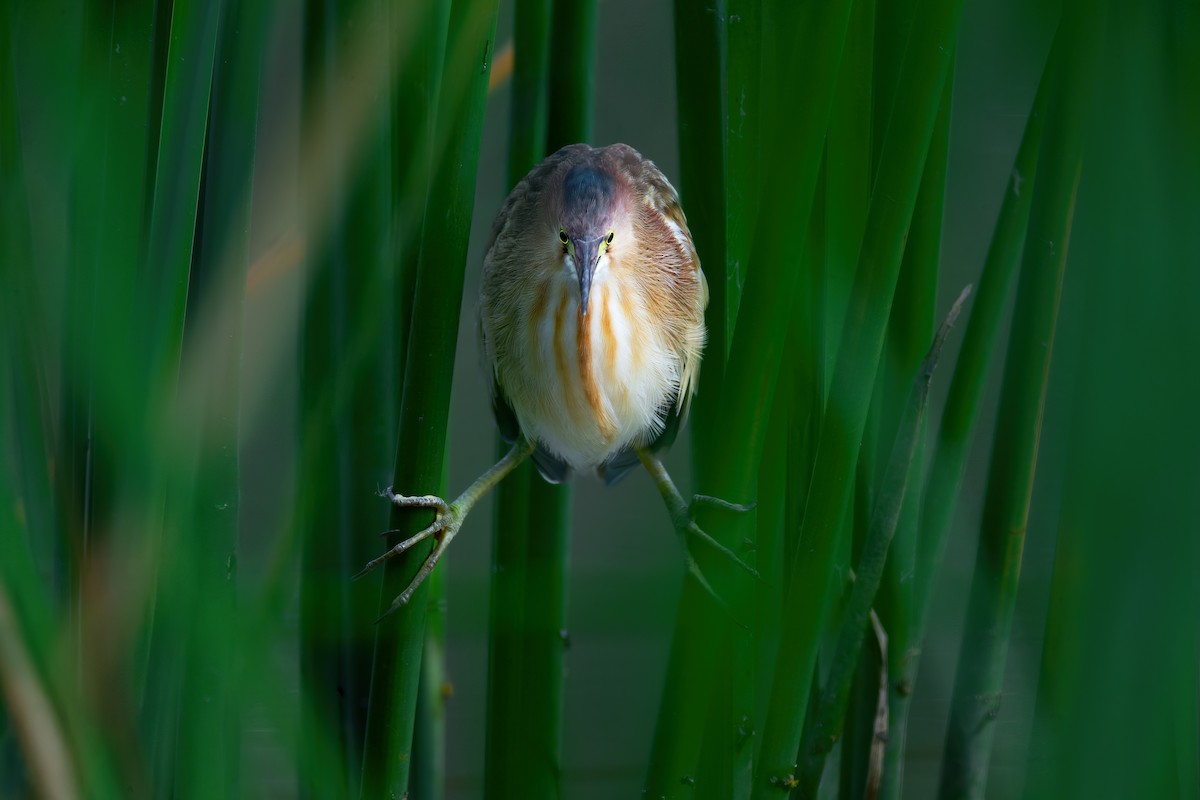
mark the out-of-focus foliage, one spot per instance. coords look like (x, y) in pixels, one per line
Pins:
(234, 240)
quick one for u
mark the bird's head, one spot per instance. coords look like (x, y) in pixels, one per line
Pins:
(589, 213)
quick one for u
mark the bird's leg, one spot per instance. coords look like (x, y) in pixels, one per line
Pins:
(682, 518)
(449, 518)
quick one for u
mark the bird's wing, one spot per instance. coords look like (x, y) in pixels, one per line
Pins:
(502, 410)
(689, 286)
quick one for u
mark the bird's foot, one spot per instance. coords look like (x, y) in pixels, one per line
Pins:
(442, 530)
(716, 502)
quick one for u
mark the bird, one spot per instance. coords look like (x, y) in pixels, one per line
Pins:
(591, 328)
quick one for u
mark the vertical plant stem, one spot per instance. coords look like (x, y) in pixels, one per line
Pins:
(699, 69)
(365, 402)
(725, 767)
(1120, 640)
(44, 718)
(970, 371)
(901, 164)
(324, 588)
(105, 397)
(414, 128)
(699, 60)
(977, 689)
(744, 39)
(525, 681)
(530, 88)
(179, 162)
(572, 73)
(350, 360)
(916, 295)
(961, 412)
(424, 406)
(33, 749)
(829, 714)
(753, 366)
(211, 742)
(510, 769)
(849, 170)
(193, 564)
(503, 747)
(429, 734)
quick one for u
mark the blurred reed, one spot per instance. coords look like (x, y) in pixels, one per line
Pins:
(142, 652)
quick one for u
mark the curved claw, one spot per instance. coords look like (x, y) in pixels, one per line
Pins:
(444, 527)
(400, 547)
(427, 566)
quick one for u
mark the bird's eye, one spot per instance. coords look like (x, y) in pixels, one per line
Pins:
(610, 238)
(562, 236)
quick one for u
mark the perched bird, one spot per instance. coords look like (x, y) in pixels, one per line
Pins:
(591, 318)
(592, 311)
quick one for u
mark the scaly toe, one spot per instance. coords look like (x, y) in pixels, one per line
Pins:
(417, 501)
(716, 502)
(447, 528)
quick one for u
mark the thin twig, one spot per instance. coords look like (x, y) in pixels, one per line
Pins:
(880, 734)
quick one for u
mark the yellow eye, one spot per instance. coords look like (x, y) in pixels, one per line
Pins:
(562, 236)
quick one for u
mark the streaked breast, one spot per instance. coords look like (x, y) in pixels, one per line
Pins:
(588, 386)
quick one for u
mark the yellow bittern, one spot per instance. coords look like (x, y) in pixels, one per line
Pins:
(592, 325)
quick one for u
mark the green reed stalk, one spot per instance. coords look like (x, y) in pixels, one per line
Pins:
(913, 316)
(1119, 641)
(210, 741)
(104, 397)
(922, 77)
(532, 525)
(187, 568)
(849, 169)
(753, 365)
(984, 648)
(699, 58)
(699, 67)
(424, 406)
(944, 480)
(179, 164)
(414, 105)
(367, 388)
(829, 713)
(34, 752)
(572, 73)
(323, 594)
(725, 759)
(569, 113)
(970, 371)
(350, 380)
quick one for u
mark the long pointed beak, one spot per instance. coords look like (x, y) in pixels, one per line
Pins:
(587, 256)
